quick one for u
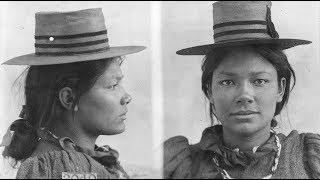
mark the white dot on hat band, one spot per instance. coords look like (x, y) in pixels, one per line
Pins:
(51, 38)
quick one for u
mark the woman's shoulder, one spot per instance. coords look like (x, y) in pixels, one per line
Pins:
(175, 145)
(310, 144)
(178, 157)
(308, 140)
(56, 163)
(312, 153)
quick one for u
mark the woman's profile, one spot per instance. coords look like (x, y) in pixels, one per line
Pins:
(247, 79)
(73, 94)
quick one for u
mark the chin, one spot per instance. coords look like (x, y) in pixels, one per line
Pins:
(119, 131)
(244, 129)
(115, 131)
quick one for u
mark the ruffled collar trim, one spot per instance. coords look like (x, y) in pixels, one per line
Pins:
(212, 140)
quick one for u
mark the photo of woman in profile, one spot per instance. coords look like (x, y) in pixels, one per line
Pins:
(73, 94)
(247, 79)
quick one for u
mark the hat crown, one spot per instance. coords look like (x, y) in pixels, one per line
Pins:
(73, 36)
(242, 20)
(69, 33)
(238, 23)
(230, 11)
(68, 23)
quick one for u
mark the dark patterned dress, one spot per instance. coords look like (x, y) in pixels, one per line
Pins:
(56, 158)
(299, 158)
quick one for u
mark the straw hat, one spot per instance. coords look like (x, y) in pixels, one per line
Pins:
(75, 36)
(242, 23)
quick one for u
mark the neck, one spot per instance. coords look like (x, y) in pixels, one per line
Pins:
(80, 137)
(245, 142)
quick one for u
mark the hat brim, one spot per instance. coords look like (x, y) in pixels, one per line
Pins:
(205, 49)
(33, 59)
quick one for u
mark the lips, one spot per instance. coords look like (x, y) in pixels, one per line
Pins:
(123, 115)
(243, 113)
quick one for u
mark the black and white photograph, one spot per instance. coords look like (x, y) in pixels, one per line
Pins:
(159, 90)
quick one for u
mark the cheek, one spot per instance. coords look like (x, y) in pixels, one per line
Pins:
(99, 104)
(222, 100)
(267, 101)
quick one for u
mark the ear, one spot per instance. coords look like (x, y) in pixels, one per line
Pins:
(281, 89)
(210, 97)
(211, 100)
(66, 97)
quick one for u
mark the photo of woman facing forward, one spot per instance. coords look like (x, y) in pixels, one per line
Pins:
(73, 94)
(247, 79)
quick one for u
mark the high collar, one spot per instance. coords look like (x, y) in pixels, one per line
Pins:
(212, 140)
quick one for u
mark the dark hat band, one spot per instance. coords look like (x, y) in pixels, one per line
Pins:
(240, 30)
(71, 45)
(70, 53)
(73, 35)
(57, 45)
(236, 23)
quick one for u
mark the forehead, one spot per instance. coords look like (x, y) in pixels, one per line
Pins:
(244, 60)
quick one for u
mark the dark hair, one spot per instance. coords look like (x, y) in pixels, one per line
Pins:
(272, 54)
(42, 104)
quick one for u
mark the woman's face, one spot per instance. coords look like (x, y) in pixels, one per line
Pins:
(245, 92)
(102, 110)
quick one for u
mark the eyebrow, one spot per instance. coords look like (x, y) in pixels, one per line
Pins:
(251, 73)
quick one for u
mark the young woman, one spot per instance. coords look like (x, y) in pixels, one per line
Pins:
(73, 94)
(247, 79)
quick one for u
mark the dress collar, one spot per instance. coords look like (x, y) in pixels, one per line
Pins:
(212, 140)
(105, 155)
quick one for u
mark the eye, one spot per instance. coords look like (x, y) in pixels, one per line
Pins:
(112, 86)
(260, 81)
(227, 82)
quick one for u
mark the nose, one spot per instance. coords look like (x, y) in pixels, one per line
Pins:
(126, 99)
(246, 94)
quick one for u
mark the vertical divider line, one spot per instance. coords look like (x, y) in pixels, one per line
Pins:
(156, 84)
(318, 30)
(3, 19)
